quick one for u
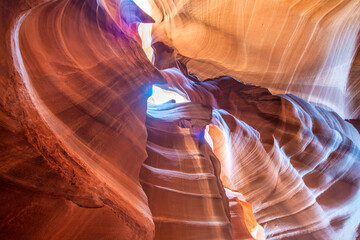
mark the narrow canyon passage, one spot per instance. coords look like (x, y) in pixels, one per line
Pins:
(256, 134)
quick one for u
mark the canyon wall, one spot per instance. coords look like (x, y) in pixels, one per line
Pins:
(83, 155)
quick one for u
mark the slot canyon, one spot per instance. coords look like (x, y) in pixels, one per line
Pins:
(179, 119)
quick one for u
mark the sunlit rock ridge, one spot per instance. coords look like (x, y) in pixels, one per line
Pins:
(302, 47)
(254, 144)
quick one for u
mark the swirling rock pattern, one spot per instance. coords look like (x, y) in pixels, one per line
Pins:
(83, 158)
(289, 159)
(300, 47)
(78, 93)
(181, 176)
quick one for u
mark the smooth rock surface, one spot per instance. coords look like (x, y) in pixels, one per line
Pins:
(84, 157)
(298, 165)
(307, 48)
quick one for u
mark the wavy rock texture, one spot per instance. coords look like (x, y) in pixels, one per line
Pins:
(300, 47)
(83, 158)
(308, 164)
(82, 105)
(181, 175)
(298, 165)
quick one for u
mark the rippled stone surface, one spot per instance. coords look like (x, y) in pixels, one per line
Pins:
(181, 175)
(81, 106)
(84, 157)
(301, 47)
(295, 163)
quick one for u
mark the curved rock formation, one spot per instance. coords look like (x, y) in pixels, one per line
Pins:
(288, 158)
(181, 175)
(84, 157)
(83, 107)
(301, 47)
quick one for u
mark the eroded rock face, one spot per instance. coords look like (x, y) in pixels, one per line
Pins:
(83, 157)
(81, 107)
(288, 158)
(308, 155)
(181, 175)
(301, 47)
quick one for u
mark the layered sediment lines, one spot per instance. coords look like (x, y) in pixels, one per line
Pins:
(82, 95)
(298, 165)
(306, 48)
(83, 158)
(181, 175)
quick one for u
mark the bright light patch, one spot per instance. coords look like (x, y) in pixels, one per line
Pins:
(160, 96)
(145, 29)
(208, 138)
(144, 5)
